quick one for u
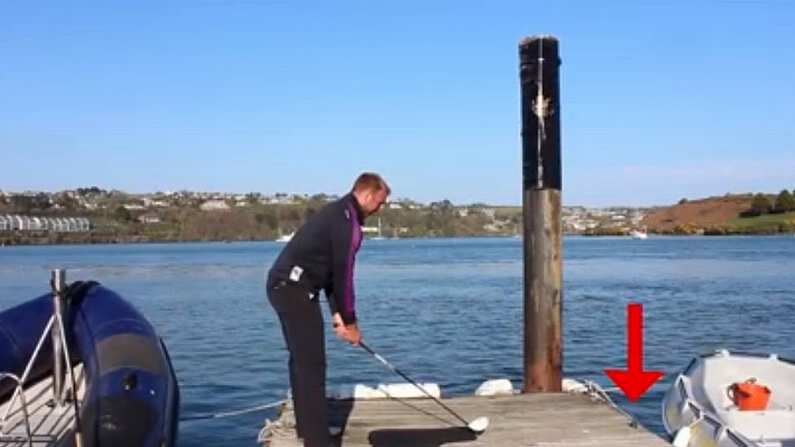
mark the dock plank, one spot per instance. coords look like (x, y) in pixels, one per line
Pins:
(529, 420)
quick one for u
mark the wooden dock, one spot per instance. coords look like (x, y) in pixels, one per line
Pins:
(528, 420)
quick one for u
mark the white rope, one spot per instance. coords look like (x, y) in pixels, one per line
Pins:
(226, 414)
(273, 429)
(596, 390)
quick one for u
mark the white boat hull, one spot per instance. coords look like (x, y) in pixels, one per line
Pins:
(698, 412)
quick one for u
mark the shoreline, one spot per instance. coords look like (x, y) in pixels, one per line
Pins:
(139, 240)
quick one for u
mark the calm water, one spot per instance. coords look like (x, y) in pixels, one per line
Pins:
(447, 311)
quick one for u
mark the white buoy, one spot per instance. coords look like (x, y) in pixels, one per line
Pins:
(385, 391)
(479, 425)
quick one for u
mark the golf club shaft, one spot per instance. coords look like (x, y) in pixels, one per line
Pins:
(408, 379)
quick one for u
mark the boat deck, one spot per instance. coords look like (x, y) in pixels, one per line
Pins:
(48, 422)
(538, 420)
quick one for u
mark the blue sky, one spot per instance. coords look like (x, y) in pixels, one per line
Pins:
(660, 99)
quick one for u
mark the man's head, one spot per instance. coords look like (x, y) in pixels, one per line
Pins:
(371, 192)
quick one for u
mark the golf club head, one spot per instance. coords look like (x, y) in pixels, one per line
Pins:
(479, 425)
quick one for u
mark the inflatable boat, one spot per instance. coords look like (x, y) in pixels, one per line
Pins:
(95, 376)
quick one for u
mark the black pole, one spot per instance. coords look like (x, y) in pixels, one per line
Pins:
(541, 179)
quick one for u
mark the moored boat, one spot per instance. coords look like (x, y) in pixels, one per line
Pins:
(732, 399)
(111, 383)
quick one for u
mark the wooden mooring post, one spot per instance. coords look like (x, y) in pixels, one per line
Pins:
(541, 168)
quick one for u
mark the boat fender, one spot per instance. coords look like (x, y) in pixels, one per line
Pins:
(497, 387)
(573, 386)
(410, 391)
(682, 438)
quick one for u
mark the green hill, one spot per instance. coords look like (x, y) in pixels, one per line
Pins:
(766, 223)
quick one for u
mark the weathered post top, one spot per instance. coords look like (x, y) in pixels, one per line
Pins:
(541, 168)
(539, 66)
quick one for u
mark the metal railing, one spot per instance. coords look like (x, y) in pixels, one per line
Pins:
(55, 330)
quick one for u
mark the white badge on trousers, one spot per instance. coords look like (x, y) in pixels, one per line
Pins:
(295, 273)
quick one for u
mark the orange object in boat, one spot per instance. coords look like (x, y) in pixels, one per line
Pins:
(749, 396)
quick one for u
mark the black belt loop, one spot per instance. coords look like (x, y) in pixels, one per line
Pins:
(279, 283)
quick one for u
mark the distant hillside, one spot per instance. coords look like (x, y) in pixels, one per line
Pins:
(702, 213)
(716, 215)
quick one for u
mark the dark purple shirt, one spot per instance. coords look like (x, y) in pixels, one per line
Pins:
(322, 255)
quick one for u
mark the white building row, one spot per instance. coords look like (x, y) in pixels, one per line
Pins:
(14, 222)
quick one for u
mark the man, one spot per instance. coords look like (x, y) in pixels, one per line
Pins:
(320, 255)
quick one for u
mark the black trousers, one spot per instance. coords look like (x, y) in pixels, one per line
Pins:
(302, 326)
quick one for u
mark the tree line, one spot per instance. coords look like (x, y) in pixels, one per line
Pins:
(762, 204)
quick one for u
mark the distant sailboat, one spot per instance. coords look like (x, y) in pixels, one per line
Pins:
(380, 236)
(285, 237)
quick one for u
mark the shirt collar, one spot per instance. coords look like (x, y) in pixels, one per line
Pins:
(357, 207)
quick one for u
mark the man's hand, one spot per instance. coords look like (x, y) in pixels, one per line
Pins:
(349, 333)
(354, 335)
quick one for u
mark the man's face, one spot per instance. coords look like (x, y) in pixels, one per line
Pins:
(373, 200)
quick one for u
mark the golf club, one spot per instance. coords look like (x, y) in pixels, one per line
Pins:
(477, 426)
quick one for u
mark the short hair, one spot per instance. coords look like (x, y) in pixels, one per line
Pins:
(370, 181)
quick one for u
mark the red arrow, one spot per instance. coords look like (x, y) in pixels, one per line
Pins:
(634, 381)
